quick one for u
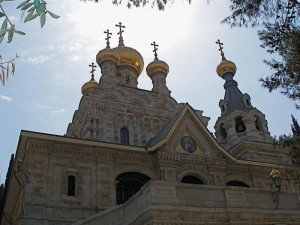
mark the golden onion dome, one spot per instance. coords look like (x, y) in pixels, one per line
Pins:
(130, 57)
(107, 54)
(226, 66)
(157, 66)
(89, 86)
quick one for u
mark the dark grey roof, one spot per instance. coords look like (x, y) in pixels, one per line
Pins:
(233, 95)
(164, 132)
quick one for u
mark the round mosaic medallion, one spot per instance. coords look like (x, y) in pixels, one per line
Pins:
(188, 144)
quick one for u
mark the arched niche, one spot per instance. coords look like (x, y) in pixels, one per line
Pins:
(236, 183)
(128, 184)
(191, 180)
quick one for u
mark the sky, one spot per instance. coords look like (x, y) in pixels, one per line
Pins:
(53, 64)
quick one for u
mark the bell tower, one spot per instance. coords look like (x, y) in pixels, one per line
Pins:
(241, 129)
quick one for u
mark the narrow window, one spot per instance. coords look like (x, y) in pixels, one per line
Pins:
(124, 136)
(71, 185)
(223, 132)
(239, 125)
(247, 102)
(127, 79)
(258, 124)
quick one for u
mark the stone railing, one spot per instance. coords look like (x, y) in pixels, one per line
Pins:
(185, 202)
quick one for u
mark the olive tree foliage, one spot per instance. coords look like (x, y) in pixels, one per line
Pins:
(160, 4)
(31, 9)
(280, 36)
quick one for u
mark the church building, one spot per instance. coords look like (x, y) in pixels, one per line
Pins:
(138, 157)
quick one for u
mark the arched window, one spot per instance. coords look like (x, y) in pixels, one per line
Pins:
(191, 180)
(124, 136)
(239, 125)
(223, 132)
(247, 102)
(71, 185)
(127, 79)
(258, 123)
(127, 184)
(236, 184)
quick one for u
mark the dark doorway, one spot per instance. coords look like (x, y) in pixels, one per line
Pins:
(128, 184)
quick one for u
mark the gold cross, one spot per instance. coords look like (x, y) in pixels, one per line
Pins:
(218, 42)
(155, 49)
(93, 69)
(121, 43)
(107, 38)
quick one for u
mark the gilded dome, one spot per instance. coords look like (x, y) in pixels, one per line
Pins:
(89, 86)
(157, 66)
(226, 66)
(107, 54)
(131, 57)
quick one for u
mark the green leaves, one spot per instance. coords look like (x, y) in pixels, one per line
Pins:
(11, 30)
(43, 19)
(53, 15)
(35, 9)
(22, 4)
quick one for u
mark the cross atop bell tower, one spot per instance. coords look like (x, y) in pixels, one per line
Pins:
(218, 42)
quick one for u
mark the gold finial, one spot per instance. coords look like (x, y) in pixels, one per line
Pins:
(221, 49)
(93, 70)
(275, 173)
(155, 50)
(108, 36)
(121, 41)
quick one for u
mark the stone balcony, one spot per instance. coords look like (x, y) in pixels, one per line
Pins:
(162, 203)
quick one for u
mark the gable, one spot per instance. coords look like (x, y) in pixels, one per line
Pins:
(186, 134)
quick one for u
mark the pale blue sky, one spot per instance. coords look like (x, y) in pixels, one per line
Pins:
(53, 63)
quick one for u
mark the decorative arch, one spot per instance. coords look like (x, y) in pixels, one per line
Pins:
(128, 184)
(194, 171)
(236, 183)
(191, 180)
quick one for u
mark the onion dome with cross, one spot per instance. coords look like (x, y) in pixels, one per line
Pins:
(225, 66)
(157, 66)
(128, 56)
(107, 54)
(91, 85)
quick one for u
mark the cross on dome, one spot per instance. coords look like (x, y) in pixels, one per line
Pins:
(93, 69)
(121, 42)
(155, 49)
(108, 36)
(218, 42)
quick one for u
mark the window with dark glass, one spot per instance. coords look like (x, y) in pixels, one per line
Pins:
(191, 180)
(127, 79)
(124, 136)
(71, 185)
(236, 184)
(127, 184)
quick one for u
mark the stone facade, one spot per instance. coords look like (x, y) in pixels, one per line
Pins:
(137, 157)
